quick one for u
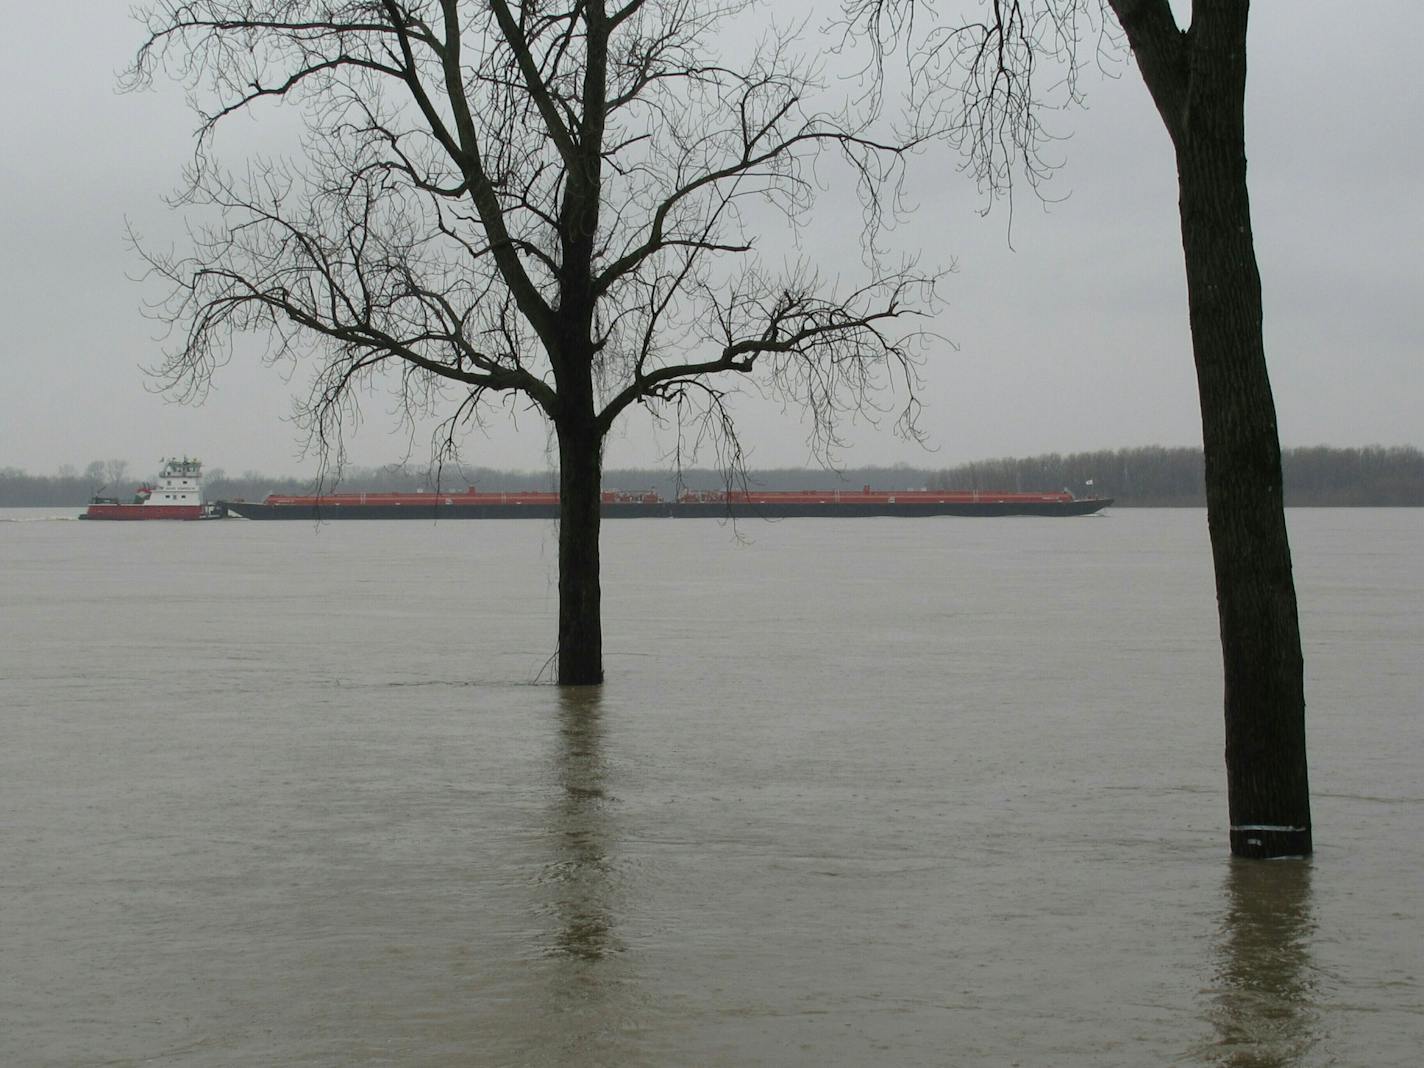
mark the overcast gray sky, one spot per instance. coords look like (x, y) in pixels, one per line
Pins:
(1076, 338)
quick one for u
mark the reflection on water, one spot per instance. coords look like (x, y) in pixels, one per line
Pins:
(589, 1014)
(1265, 1002)
(581, 874)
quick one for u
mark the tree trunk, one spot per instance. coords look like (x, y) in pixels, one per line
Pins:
(1267, 784)
(580, 595)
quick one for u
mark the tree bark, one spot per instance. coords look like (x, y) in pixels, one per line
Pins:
(580, 594)
(1266, 772)
(1198, 81)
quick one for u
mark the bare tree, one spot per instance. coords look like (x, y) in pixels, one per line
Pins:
(980, 79)
(115, 471)
(553, 204)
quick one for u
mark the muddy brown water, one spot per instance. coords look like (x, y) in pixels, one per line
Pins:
(910, 792)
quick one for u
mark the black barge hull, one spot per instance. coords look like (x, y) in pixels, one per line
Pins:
(671, 510)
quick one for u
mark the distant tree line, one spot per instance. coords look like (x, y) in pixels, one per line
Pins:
(71, 488)
(68, 486)
(1156, 477)
(456, 478)
(1149, 477)
(1373, 476)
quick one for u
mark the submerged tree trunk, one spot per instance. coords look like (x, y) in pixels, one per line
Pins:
(1266, 769)
(1260, 633)
(580, 595)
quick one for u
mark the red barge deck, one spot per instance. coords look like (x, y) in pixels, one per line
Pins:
(737, 504)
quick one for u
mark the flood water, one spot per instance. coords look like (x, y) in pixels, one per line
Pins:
(857, 792)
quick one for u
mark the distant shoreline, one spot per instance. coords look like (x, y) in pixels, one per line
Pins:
(1373, 476)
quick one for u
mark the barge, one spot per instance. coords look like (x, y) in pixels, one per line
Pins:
(734, 504)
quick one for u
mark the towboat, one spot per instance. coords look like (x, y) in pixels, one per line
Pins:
(178, 495)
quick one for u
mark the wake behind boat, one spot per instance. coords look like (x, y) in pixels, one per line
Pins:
(736, 504)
